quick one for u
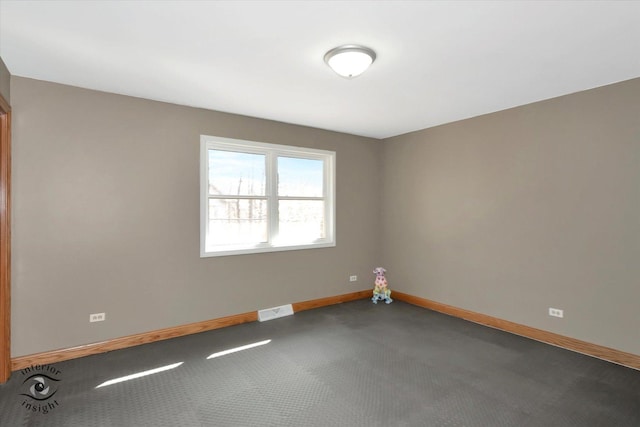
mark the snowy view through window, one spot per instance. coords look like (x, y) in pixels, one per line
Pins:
(264, 199)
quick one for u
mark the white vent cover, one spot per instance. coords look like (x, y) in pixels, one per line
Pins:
(275, 312)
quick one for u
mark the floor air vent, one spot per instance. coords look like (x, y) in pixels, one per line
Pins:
(275, 312)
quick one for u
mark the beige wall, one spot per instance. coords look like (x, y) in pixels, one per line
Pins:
(106, 211)
(505, 214)
(5, 86)
(511, 213)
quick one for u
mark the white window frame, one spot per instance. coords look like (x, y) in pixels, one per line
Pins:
(271, 152)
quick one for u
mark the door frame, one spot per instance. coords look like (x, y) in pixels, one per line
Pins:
(5, 240)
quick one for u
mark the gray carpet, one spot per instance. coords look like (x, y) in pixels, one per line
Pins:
(353, 364)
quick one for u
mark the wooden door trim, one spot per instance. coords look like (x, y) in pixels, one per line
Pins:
(5, 240)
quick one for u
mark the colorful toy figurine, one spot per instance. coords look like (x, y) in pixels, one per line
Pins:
(381, 291)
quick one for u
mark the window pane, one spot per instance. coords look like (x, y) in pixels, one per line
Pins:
(236, 174)
(237, 221)
(301, 221)
(300, 177)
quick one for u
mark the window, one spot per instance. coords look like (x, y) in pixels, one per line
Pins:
(258, 197)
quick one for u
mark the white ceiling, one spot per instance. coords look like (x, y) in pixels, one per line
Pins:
(437, 61)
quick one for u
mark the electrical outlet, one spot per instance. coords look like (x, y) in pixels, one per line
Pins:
(556, 312)
(97, 317)
(353, 278)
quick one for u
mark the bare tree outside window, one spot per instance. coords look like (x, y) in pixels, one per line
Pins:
(261, 196)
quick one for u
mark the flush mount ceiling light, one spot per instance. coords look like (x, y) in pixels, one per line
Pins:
(350, 60)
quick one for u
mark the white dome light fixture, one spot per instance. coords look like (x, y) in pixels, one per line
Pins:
(350, 60)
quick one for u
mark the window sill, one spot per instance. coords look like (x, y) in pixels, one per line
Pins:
(257, 250)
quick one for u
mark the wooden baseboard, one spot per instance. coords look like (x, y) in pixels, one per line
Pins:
(54, 356)
(316, 303)
(601, 352)
(609, 354)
